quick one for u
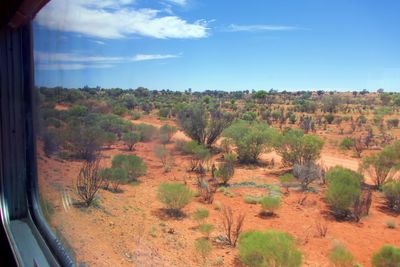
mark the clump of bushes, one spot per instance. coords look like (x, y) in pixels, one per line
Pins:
(341, 257)
(271, 248)
(307, 173)
(114, 177)
(166, 133)
(203, 247)
(346, 144)
(132, 164)
(344, 190)
(387, 256)
(391, 190)
(251, 139)
(130, 139)
(147, 132)
(174, 196)
(269, 204)
(226, 169)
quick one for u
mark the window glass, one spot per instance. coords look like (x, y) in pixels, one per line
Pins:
(168, 128)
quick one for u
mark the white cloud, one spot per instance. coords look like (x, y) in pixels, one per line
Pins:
(259, 27)
(71, 61)
(68, 66)
(179, 2)
(98, 42)
(143, 57)
(113, 19)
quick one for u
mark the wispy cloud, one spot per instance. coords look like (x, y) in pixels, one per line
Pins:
(117, 19)
(98, 42)
(178, 2)
(71, 66)
(143, 57)
(71, 61)
(259, 27)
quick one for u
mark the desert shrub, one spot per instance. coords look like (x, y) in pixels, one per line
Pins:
(341, 257)
(252, 199)
(166, 133)
(330, 103)
(162, 153)
(271, 248)
(206, 189)
(387, 256)
(130, 139)
(109, 139)
(329, 118)
(50, 142)
(391, 190)
(249, 116)
(307, 124)
(287, 179)
(396, 100)
(270, 204)
(89, 181)
(119, 110)
(384, 164)
(232, 227)
(164, 112)
(147, 132)
(203, 247)
(308, 106)
(343, 190)
(292, 119)
(203, 126)
(174, 196)
(251, 139)
(346, 144)
(132, 164)
(393, 123)
(115, 177)
(391, 224)
(226, 169)
(296, 148)
(200, 214)
(307, 173)
(206, 229)
(200, 155)
(135, 115)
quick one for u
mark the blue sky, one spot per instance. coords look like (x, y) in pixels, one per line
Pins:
(219, 44)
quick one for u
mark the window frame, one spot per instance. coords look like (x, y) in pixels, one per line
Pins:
(19, 199)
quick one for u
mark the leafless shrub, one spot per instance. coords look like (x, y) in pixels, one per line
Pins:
(358, 146)
(322, 227)
(362, 205)
(232, 227)
(302, 199)
(206, 188)
(307, 173)
(89, 181)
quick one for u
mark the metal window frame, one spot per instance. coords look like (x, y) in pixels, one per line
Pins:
(31, 239)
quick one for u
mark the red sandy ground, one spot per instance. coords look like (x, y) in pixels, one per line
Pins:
(129, 229)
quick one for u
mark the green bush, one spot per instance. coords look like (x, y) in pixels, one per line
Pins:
(203, 247)
(346, 144)
(341, 257)
(166, 133)
(391, 190)
(296, 148)
(270, 203)
(136, 115)
(344, 189)
(114, 176)
(174, 196)
(387, 256)
(200, 214)
(251, 139)
(271, 248)
(132, 164)
(226, 169)
(206, 229)
(252, 199)
(130, 139)
(147, 132)
(329, 118)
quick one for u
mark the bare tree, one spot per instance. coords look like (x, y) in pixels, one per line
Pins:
(232, 228)
(89, 181)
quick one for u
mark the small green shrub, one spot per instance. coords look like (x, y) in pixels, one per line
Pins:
(130, 139)
(203, 247)
(269, 204)
(391, 190)
(271, 248)
(200, 214)
(134, 166)
(147, 132)
(344, 189)
(166, 133)
(329, 118)
(252, 199)
(346, 144)
(391, 224)
(174, 196)
(136, 115)
(115, 177)
(206, 229)
(387, 256)
(341, 257)
(287, 179)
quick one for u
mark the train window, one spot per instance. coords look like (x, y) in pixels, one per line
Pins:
(205, 133)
